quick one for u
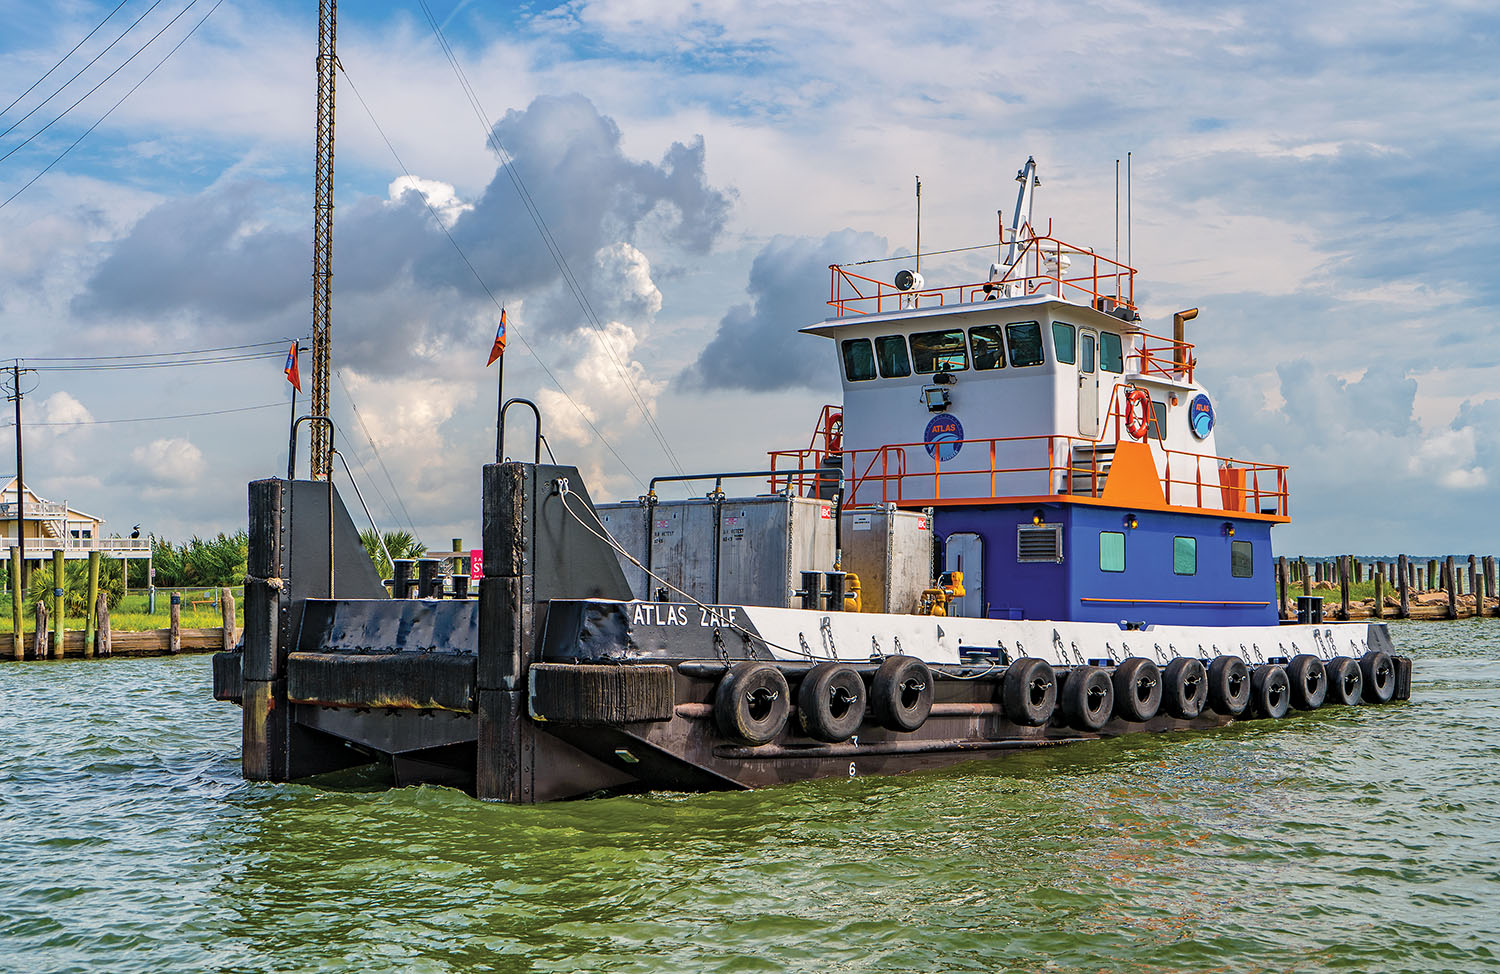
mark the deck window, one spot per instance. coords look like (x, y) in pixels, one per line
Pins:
(1064, 339)
(1184, 556)
(1086, 354)
(1111, 357)
(1241, 559)
(1157, 426)
(1111, 551)
(859, 360)
(1025, 341)
(939, 351)
(890, 353)
(989, 348)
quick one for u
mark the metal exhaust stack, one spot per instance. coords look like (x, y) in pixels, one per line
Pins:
(1179, 332)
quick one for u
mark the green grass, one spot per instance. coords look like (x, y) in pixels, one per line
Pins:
(131, 614)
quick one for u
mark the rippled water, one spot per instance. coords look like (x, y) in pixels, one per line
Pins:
(1345, 840)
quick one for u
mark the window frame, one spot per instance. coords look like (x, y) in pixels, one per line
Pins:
(1057, 348)
(1192, 550)
(963, 351)
(1010, 344)
(1235, 547)
(1157, 421)
(1092, 338)
(1104, 338)
(999, 331)
(844, 348)
(880, 360)
(1112, 534)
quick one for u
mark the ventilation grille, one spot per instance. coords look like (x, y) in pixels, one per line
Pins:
(1042, 543)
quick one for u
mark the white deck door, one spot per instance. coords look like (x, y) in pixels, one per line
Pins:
(1088, 384)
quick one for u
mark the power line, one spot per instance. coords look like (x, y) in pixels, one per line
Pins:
(166, 364)
(154, 419)
(494, 300)
(59, 64)
(138, 355)
(507, 164)
(376, 450)
(60, 156)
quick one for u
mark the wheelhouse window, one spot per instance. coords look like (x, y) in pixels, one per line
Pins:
(1064, 342)
(989, 348)
(1086, 354)
(1111, 551)
(1184, 556)
(859, 359)
(1157, 426)
(1111, 354)
(1241, 559)
(1025, 341)
(939, 351)
(890, 354)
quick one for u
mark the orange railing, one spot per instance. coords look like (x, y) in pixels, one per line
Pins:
(1160, 356)
(1100, 280)
(826, 441)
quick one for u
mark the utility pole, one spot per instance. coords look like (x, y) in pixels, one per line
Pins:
(16, 395)
(322, 310)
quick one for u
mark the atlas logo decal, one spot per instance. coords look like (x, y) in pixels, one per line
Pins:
(944, 436)
(1201, 416)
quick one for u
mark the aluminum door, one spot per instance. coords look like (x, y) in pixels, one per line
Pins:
(964, 552)
(1088, 383)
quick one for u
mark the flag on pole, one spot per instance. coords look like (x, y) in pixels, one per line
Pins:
(292, 375)
(498, 349)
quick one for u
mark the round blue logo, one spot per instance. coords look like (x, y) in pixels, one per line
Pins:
(944, 436)
(1201, 416)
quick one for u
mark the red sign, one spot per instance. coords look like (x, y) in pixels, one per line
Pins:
(476, 564)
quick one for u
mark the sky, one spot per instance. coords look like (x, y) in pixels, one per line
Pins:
(654, 189)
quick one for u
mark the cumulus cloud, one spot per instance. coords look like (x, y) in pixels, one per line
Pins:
(169, 462)
(757, 345)
(606, 383)
(441, 196)
(61, 410)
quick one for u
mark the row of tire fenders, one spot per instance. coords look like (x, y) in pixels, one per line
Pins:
(753, 700)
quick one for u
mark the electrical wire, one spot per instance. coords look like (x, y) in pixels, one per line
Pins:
(494, 300)
(65, 57)
(192, 351)
(60, 156)
(174, 364)
(376, 450)
(152, 419)
(529, 203)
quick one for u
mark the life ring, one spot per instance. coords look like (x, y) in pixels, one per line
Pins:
(1087, 698)
(1137, 412)
(1184, 686)
(1228, 685)
(1268, 691)
(1309, 682)
(833, 433)
(901, 693)
(1345, 681)
(1137, 689)
(1028, 691)
(830, 702)
(750, 703)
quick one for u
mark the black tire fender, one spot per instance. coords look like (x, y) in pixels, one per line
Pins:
(1270, 690)
(1137, 689)
(901, 693)
(1184, 688)
(752, 703)
(1228, 685)
(1380, 676)
(1345, 681)
(1309, 682)
(1087, 698)
(1028, 691)
(831, 702)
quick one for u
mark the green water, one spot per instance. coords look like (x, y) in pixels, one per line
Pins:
(1363, 839)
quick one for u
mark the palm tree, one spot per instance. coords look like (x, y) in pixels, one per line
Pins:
(399, 544)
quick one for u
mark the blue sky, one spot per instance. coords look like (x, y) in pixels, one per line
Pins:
(1319, 180)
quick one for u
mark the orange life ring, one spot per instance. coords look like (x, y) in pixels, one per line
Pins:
(1137, 412)
(833, 433)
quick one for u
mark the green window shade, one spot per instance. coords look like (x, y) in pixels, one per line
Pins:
(1111, 551)
(1111, 357)
(1185, 556)
(1241, 559)
(1063, 340)
(890, 352)
(859, 360)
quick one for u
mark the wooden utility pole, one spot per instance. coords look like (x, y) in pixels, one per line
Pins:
(16, 396)
(322, 310)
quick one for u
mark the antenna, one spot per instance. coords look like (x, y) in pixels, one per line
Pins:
(919, 224)
(1117, 229)
(1129, 250)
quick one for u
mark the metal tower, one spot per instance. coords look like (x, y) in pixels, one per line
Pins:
(322, 307)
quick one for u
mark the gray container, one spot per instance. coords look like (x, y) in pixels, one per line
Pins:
(739, 551)
(891, 551)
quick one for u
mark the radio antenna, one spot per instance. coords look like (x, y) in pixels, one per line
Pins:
(1129, 250)
(1117, 229)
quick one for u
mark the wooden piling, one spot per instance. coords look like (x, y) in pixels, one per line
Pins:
(226, 615)
(102, 634)
(1434, 583)
(174, 637)
(1306, 582)
(88, 624)
(1452, 587)
(17, 637)
(1402, 571)
(1281, 578)
(1357, 569)
(1378, 573)
(1489, 580)
(1343, 565)
(1476, 587)
(58, 588)
(39, 650)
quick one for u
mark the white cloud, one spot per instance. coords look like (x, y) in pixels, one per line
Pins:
(439, 195)
(169, 463)
(609, 387)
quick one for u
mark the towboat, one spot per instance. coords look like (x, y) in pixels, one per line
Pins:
(1016, 531)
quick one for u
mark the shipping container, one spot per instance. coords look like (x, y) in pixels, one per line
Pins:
(892, 553)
